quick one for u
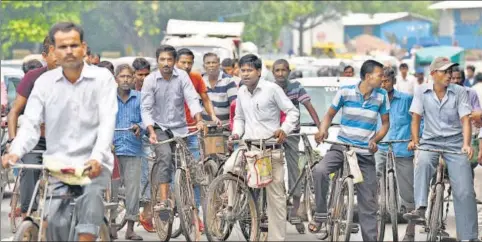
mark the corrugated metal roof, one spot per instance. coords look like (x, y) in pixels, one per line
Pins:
(456, 5)
(357, 19)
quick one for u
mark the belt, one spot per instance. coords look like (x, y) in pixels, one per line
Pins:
(274, 147)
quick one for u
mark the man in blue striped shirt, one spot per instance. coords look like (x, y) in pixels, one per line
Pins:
(222, 88)
(128, 145)
(361, 104)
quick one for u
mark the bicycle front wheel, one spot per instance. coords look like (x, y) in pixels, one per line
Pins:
(27, 231)
(436, 213)
(163, 228)
(382, 208)
(186, 207)
(393, 204)
(343, 214)
(15, 215)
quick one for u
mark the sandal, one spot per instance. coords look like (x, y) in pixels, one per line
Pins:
(146, 224)
(295, 220)
(201, 226)
(314, 227)
(133, 236)
(164, 210)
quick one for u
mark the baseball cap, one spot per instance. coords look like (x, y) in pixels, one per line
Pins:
(441, 64)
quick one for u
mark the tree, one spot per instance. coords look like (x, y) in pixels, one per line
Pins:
(23, 23)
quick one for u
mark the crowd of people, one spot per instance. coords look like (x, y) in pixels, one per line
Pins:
(82, 111)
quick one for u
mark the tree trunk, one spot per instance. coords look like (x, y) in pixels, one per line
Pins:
(301, 31)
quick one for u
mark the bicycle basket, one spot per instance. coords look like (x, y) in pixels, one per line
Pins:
(260, 169)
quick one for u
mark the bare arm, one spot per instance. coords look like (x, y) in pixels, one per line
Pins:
(327, 119)
(18, 107)
(384, 129)
(415, 127)
(208, 105)
(313, 113)
(467, 130)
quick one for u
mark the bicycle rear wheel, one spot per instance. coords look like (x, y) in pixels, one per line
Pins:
(343, 214)
(382, 208)
(163, 228)
(436, 214)
(309, 197)
(393, 204)
(15, 215)
(27, 231)
(219, 221)
(186, 207)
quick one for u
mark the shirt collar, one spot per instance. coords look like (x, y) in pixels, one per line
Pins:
(87, 72)
(357, 89)
(132, 93)
(396, 94)
(158, 74)
(429, 87)
(260, 86)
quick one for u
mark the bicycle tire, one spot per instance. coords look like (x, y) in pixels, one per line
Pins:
(14, 203)
(27, 231)
(393, 204)
(176, 230)
(436, 213)
(104, 232)
(163, 228)
(210, 170)
(309, 198)
(121, 213)
(344, 209)
(249, 208)
(382, 208)
(184, 193)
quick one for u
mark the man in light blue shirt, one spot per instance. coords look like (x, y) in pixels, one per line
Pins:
(400, 119)
(446, 111)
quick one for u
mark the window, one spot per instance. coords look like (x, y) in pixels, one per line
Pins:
(12, 82)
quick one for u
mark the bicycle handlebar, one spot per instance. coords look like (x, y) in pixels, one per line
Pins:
(345, 144)
(394, 141)
(440, 151)
(301, 134)
(177, 137)
(66, 170)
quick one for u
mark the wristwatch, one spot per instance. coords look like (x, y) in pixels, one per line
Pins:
(9, 141)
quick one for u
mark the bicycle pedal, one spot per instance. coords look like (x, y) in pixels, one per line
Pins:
(355, 228)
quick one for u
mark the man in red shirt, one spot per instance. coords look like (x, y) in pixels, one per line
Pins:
(29, 176)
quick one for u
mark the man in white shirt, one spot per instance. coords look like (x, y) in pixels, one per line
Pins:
(405, 83)
(258, 109)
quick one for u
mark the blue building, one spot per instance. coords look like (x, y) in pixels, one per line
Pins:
(460, 23)
(404, 29)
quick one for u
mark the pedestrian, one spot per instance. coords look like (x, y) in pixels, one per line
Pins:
(449, 131)
(31, 65)
(257, 116)
(405, 82)
(108, 65)
(348, 71)
(228, 66)
(94, 59)
(128, 145)
(470, 81)
(142, 68)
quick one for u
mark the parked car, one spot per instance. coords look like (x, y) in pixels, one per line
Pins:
(11, 77)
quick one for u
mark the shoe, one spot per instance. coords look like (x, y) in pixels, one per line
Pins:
(417, 216)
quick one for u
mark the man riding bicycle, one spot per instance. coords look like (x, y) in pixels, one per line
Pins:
(445, 109)
(78, 104)
(361, 105)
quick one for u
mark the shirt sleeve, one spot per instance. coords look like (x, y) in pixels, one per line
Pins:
(474, 100)
(385, 107)
(463, 107)
(147, 100)
(232, 91)
(285, 104)
(202, 86)
(239, 119)
(417, 103)
(25, 86)
(107, 116)
(29, 132)
(303, 95)
(190, 95)
(338, 100)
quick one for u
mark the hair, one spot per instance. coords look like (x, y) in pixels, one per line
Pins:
(403, 65)
(30, 65)
(251, 60)
(348, 67)
(471, 67)
(96, 54)
(368, 67)
(89, 52)
(235, 61)
(46, 45)
(295, 75)
(227, 62)
(462, 74)
(166, 48)
(122, 67)
(141, 64)
(478, 78)
(210, 54)
(65, 27)
(282, 61)
(108, 65)
(389, 72)
(184, 51)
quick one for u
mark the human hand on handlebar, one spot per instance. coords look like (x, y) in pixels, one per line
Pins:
(9, 158)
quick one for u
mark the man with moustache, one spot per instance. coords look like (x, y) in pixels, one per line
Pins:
(257, 116)
(446, 111)
(29, 177)
(128, 144)
(298, 95)
(163, 94)
(78, 104)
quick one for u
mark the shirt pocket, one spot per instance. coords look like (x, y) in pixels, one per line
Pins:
(449, 113)
(263, 110)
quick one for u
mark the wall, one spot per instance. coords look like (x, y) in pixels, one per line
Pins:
(329, 31)
(406, 29)
(468, 23)
(352, 32)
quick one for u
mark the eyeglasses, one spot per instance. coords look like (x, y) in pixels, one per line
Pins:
(449, 71)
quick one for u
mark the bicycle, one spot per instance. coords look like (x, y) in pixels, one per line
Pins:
(388, 193)
(3, 172)
(231, 200)
(341, 200)
(31, 228)
(436, 221)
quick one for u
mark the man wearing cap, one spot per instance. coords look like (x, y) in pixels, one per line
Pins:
(446, 112)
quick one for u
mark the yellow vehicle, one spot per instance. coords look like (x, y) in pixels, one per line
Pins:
(330, 50)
